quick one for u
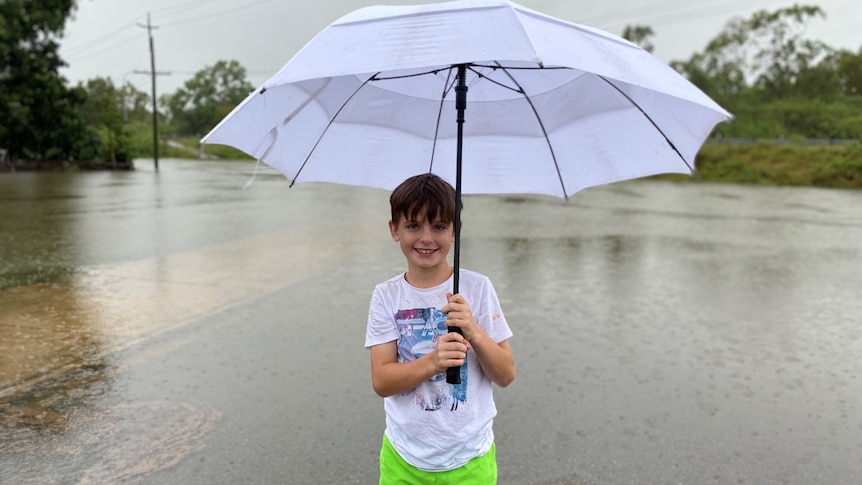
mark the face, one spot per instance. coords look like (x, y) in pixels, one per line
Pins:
(424, 244)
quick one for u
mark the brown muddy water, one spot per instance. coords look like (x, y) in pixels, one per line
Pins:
(174, 327)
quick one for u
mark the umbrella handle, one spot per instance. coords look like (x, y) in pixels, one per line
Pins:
(453, 374)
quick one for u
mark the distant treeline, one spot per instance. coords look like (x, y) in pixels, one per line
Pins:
(777, 83)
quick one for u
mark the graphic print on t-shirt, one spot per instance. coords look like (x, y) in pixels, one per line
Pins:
(420, 329)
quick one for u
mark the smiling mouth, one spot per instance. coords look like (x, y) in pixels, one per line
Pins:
(424, 251)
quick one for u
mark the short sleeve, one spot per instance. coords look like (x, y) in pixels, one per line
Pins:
(381, 320)
(490, 315)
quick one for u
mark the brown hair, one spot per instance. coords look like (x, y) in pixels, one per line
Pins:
(426, 192)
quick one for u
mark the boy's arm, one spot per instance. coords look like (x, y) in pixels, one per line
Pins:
(496, 359)
(390, 377)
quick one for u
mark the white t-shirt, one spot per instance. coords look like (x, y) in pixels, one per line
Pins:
(437, 426)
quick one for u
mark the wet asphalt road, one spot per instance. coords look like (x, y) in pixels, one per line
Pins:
(664, 333)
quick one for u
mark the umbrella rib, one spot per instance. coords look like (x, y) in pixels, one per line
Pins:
(690, 168)
(446, 88)
(498, 83)
(415, 74)
(540, 67)
(541, 125)
(323, 133)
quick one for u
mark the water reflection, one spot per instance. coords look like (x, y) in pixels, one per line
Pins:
(128, 257)
(33, 235)
(652, 308)
(47, 329)
(664, 333)
(91, 443)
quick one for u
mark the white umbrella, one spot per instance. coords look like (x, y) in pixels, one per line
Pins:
(552, 107)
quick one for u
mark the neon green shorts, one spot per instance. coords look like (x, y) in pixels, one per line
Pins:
(481, 470)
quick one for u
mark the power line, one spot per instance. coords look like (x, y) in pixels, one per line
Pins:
(663, 9)
(668, 13)
(218, 14)
(169, 11)
(628, 10)
(80, 49)
(90, 43)
(111, 47)
(178, 9)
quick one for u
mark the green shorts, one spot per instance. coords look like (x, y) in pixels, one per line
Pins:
(481, 470)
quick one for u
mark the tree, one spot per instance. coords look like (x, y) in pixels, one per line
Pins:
(820, 80)
(848, 66)
(38, 118)
(207, 98)
(105, 113)
(722, 80)
(776, 81)
(135, 104)
(640, 35)
(768, 50)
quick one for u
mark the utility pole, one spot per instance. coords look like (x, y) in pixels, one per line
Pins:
(152, 72)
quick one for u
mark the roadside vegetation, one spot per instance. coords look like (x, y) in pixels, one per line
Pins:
(772, 163)
(838, 166)
(779, 84)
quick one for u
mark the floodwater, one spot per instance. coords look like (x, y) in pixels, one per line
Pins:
(173, 327)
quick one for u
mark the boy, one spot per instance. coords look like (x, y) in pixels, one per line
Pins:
(435, 432)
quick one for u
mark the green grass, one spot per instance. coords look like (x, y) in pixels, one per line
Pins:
(220, 151)
(838, 166)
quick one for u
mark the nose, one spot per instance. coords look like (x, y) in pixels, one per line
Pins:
(427, 234)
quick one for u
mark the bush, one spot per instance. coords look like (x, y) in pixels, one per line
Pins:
(787, 164)
(844, 170)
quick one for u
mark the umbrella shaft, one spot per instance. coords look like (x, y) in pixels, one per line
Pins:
(460, 108)
(453, 374)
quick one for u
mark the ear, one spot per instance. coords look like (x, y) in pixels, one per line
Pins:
(393, 232)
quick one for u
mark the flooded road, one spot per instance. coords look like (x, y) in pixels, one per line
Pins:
(173, 327)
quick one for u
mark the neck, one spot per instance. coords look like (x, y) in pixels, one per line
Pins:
(428, 278)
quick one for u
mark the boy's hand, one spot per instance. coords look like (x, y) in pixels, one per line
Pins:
(459, 315)
(451, 351)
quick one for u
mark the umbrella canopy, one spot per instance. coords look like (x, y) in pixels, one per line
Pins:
(553, 107)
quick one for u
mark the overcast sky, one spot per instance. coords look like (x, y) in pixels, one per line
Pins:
(107, 38)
